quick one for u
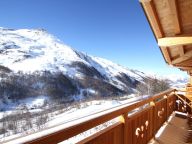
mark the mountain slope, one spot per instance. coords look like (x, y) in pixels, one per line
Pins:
(48, 67)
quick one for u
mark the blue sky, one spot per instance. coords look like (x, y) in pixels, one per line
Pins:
(113, 29)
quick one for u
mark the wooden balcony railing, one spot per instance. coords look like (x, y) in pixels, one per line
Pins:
(138, 128)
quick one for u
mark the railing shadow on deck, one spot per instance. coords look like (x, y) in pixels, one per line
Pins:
(138, 128)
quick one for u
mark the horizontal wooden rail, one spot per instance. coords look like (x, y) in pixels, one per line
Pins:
(183, 100)
(73, 128)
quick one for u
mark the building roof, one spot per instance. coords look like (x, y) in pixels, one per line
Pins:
(171, 22)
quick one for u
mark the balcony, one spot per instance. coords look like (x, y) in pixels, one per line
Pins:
(164, 118)
(152, 120)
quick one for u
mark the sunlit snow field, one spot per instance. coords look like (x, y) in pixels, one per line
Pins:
(75, 114)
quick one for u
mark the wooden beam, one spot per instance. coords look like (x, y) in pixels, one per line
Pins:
(174, 41)
(185, 57)
(186, 63)
(166, 54)
(174, 12)
(152, 16)
(181, 50)
(190, 73)
(184, 68)
(142, 1)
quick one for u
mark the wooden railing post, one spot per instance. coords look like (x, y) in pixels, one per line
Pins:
(152, 103)
(166, 109)
(190, 80)
(175, 104)
(124, 119)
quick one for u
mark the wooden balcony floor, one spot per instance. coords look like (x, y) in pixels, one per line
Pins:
(177, 130)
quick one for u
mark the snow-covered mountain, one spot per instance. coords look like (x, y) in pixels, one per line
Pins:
(36, 50)
(41, 80)
(40, 64)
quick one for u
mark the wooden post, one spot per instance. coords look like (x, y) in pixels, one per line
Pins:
(167, 107)
(189, 88)
(124, 119)
(152, 103)
(190, 80)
